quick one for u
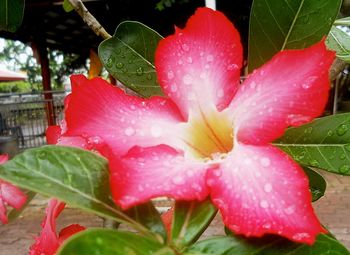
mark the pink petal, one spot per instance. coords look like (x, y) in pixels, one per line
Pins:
(69, 231)
(47, 243)
(105, 114)
(53, 133)
(9, 194)
(289, 90)
(3, 158)
(260, 190)
(12, 195)
(201, 63)
(143, 174)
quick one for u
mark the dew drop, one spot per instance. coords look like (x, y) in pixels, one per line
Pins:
(210, 58)
(347, 147)
(170, 75)
(109, 62)
(314, 162)
(129, 131)
(119, 65)
(268, 187)
(264, 204)
(290, 210)
(173, 88)
(342, 129)
(344, 169)
(187, 79)
(267, 226)
(178, 180)
(139, 71)
(301, 236)
(189, 60)
(232, 67)
(185, 47)
(252, 85)
(265, 162)
(330, 133)
(149, 77)
(342, 156)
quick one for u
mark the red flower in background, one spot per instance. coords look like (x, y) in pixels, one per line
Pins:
(48, 241)
(9, 195)
(209, 135)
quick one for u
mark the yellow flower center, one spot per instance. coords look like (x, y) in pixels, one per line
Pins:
(209, 135)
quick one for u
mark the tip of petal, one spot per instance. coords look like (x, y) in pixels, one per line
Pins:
(53, 133)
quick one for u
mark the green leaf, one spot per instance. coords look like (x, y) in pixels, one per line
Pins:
(342, 22)
(147, 215)
(316, 182)
(339, 41)
(323, 143)
(11, 14)
(289, 24)
(67, 6)
(129, 57)
(75, 176)
(190, 221)
(14, 213)
(112, 242)
(269, 245)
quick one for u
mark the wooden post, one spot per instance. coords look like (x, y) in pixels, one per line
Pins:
(45, 74)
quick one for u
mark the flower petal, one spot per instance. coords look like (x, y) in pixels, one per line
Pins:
(47, 242)
(200, 63)
(260, 190)
(69, 231)
(100, 111)
(289, 90)
(147, 173)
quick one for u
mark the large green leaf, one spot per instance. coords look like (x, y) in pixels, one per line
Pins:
(148, 216)
(289, 24)
(317, 184)
(190, 221)
(14, 213)
(75, 176)
(112, 242)
(129, 57)
(323, 143)
(340, 42)
(11, 14)
(270, 245)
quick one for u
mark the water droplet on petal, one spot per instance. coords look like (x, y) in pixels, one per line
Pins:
(187, 79)
(129, 131)
(185, 47)
(264, 204)
(265, 161)
(178, 180)
(170, 75)
(268, 187)
(290, 210)
(232, 67)
(301, 236)
(210, 58)
(173, 88)
(189, 60)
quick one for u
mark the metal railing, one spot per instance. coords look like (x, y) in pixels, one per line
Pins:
(24, 115)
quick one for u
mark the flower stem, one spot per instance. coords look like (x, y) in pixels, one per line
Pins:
(90, 20)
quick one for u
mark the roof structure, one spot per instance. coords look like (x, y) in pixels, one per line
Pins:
(7, 75)
(46, 23)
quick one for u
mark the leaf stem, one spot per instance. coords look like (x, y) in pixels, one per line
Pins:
(89, 19)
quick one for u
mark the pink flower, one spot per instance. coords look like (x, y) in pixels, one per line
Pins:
(9, 195)
(48, 241)
(210, 136)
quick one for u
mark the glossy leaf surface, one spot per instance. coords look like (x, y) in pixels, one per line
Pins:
(316, 182)
(147, 215)
(269, 245)
(129, 57)
(11, 14)
(323, 143)
(290, 24)
(75, 176)
(111, 242)
(340, 42)
(190, 221)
